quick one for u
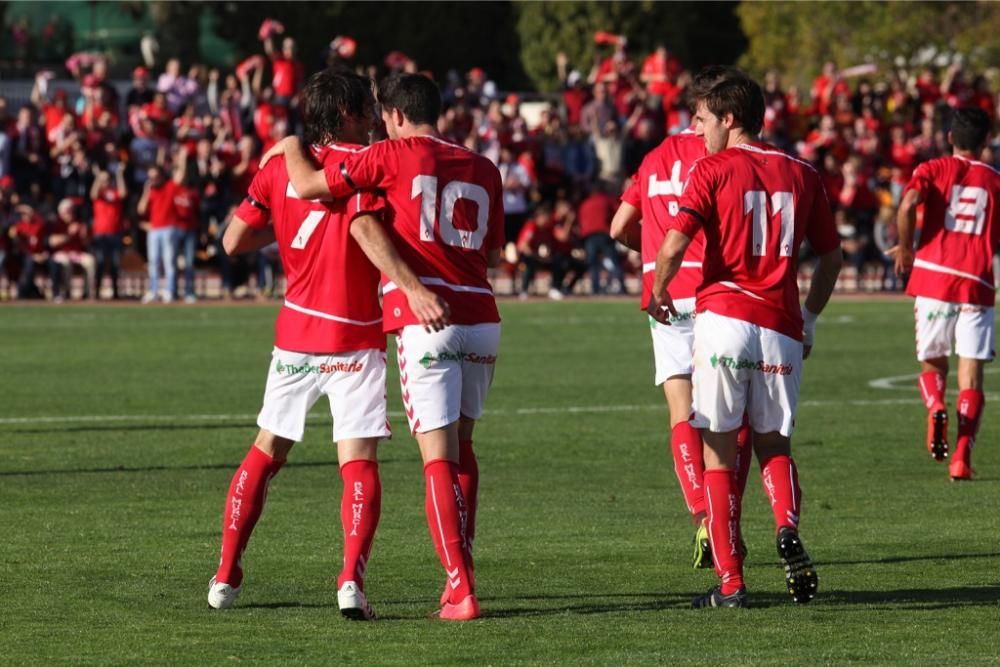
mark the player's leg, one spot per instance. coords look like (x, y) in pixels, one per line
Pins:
(289, 394)
(431, 376)
(774, 391)
(935, 328)
(355, 385)
(974, 343)
(720, 384)
(480, 343)
(244, 505)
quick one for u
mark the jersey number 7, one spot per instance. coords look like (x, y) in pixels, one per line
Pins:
(426, 187)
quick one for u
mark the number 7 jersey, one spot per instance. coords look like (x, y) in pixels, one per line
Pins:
(756, 206)
(954, 259)
(331, 299)
(444, 214)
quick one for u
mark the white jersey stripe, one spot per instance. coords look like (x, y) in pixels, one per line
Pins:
(437, 282)
(651, 266)
(938, 268)
(732, 285)
(328, 316)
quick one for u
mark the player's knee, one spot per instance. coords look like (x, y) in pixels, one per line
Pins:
(273, 445)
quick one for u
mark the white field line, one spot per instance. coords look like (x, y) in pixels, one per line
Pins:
(910, 379)
(541, 410)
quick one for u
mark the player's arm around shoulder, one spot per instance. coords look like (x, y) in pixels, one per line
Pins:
(249, 226)
(431, 310)
(308, 181)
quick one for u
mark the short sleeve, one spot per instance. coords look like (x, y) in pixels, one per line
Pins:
(822, 231)
(922, 180)
(255, 209)
(369, 168)
(633, 195)
(696, 203)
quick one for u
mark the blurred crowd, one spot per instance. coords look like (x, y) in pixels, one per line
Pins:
(124, 190)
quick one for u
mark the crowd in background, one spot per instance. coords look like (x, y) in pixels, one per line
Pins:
(138, 181)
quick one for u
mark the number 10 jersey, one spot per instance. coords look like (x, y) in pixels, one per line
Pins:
(444, 214)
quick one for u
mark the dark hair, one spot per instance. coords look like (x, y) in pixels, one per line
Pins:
(414, 95)
(725, 89)
(327, 97)
(970, 127)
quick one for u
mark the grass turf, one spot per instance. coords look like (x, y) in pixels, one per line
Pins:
(111, 510)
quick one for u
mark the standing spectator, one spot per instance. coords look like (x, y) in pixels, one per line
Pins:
(157, 205)
(108, 202)
(70, 242)
(187, 202)
(516, 191)
(594, 220)
(287, 71)
(179, 89)
(596, 113)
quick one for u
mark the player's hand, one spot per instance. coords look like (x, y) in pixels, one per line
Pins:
(903, 258)
(431, 310)
(280, 148)
(806, 351)
(662, 308)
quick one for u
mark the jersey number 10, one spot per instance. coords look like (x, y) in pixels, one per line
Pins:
(782, 205)
(425, 187)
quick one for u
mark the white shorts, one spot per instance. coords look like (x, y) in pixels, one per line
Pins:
(940, 323)
(739, 366)
(354, 382)
(673, 345)
(447, 373)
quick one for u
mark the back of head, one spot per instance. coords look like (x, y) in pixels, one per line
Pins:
(970, 128)
(413, 95)
(725, 89)
(330, 95)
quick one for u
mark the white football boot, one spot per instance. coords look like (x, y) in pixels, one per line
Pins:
(222, 596)
(353, 603)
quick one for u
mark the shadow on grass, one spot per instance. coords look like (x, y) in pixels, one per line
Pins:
(889, 560)
(113, 428)
(142, 469)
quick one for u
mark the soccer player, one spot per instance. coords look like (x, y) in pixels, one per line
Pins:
(952, 279)
(328, 336)
(755, 206)
(648, 206)
(445, 214)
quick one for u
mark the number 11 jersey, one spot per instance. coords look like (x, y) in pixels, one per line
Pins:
(444, 214)
(756, 205)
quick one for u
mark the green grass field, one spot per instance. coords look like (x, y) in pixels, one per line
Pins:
(120, 428)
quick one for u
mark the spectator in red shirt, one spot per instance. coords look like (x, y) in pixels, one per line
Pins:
(70, 243)
(30, 235)
(108, 203)
(659, 73)
(157, 205)
(287, 71)
(544, 244)
(187, 201)
(594, 226)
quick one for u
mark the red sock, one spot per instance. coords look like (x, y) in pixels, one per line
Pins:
(970, 411)
(245, 502)
(932, 384)
(689, 464)
(723, 504)
(468, 480)
(446, 517)
(781, 483)
(360, 508)
(744, 455)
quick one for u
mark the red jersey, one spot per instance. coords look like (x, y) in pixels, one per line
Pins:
(186, 203)
(31, 235)
(108, 212)
(331, 303)
(594, 214)
(656, 191)
(161, 205)
(756, 205)
(287, 74)
(954, 259)
(445, 213)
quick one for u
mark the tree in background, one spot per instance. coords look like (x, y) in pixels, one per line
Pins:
(698, 33)
(797, 38)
